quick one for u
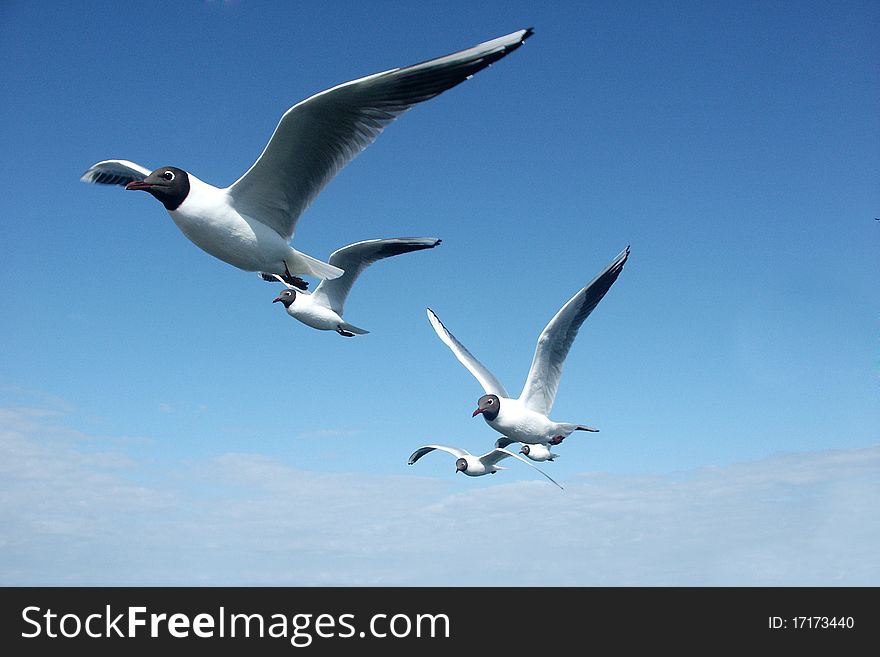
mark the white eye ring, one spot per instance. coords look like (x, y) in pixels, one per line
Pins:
(489, 402)
(168, 175)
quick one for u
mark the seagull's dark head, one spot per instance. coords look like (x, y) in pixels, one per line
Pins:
(461, 465)
(287, 297)
(488, 405)
(169, 185)
(525, 450)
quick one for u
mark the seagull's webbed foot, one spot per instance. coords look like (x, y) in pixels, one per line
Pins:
(297, 282)
(555, 440)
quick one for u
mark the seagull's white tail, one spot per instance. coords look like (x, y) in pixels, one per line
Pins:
(567, 428)
(300, 263)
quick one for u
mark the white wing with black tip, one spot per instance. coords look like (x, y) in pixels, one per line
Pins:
(354, 258)
(318, 136)
(491, 458)
(114, 172)
(421, 451)
(556, 339)
(490, 384)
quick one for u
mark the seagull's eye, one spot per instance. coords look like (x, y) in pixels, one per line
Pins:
(489, 402)
(168, 175)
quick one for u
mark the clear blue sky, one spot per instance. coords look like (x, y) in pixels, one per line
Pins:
(163, 422)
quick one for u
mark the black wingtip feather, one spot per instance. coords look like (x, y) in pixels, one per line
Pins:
(399, 248)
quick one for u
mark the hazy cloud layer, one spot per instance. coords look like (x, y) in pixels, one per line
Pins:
(76, 509)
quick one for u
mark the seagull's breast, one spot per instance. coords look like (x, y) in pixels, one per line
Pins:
(522, 424)
(209, 221)
(311, 313)
(539, 452)
(475, 467)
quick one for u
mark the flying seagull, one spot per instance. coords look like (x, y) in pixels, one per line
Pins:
(534, 451)
(475, 466)
(323, 308)
(525, 419)
(250, 223)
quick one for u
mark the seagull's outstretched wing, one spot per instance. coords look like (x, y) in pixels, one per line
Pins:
(556, 339)
(490, 384)
(354, 258)
(318, 136)
(497, 454)
(421, 451)
(114, 172)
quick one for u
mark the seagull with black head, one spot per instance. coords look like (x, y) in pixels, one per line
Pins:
(322, 309)
(250, 223)
(526, 419)
(472, 465)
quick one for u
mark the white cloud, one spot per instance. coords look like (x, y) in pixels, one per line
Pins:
(72, 511)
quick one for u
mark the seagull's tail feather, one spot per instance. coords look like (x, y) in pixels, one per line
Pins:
(567, 428)
(301, 264)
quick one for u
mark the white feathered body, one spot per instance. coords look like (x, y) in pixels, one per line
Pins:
(209, 221)
(540, 452)
(315, 314)
(476, 468)
(524, 425)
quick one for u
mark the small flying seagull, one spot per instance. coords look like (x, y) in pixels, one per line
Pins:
(535, 451)
(251, 223)
(475, 466)
(525, 419)
(322, 309)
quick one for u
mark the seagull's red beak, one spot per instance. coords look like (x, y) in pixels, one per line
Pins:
(477, 412)
(138, 184)
(278, 298)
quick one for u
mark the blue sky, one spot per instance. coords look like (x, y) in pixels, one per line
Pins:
(162, 422)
